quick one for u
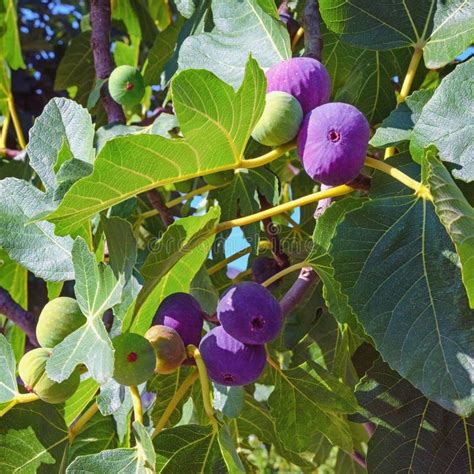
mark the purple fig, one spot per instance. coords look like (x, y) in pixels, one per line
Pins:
(306, 79)
(250, 313)
(264, 268)
(332, 143)
(182, 313)
(229, 361)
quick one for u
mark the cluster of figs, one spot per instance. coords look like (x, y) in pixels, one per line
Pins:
(233, 351)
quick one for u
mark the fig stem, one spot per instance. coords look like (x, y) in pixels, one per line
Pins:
(268, 157)
(193, 351)
(173, 403)
(284, 272)
(406, 86)
(296, 39)
(16, 123)
(20, 398)
(303, 201)
(5, 126)
(79, 424)
(420, 189)
(263, 245)
(137, 404)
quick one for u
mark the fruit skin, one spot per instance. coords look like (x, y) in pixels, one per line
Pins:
(32, 370)
(126, 85)
(135, 359)
(59, 318)
(169, 348)
(332, 143)
(264, 268)
(280, 121)
(306, 79)
(181, 312)
(250, 313)
(229, 361)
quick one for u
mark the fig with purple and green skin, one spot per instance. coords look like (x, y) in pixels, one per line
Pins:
(250, 313)
(126, 85)
(59, 318)
(32, 370)
(280, 120)
(332, 143)
(229, 361)
(169, 348)
(306, 79)
(181, 312)
(264, 268)
(134, 359)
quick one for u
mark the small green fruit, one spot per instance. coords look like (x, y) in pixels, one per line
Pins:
(126, 86)
(219, 179)
(169, 348)
(32, 370)
(59, 318)
(280, 121)
(134, 359)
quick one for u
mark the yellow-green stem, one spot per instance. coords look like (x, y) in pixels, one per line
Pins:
(137, 404)
(284, 272)
(193, 351)
(420, 189)
(173, 403)
(303, 201)
(78, 426)
(296, 39)
(20, 398)
(406, 86)
(263, 245)
(268, 157)
(16, 123)
(6, 124)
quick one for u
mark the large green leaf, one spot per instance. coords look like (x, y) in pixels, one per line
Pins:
(444, 26)
(8, 386)
(240, 28)
(76, 68)
(62, 121)
(447, 121)
(9, 35)
(75, 405)
(216, 123)
(5, 85)
(457, 215)
(393, 259)
(309, 400)
(97, 289)
(31, 435)
(413, 434)
(24, 241)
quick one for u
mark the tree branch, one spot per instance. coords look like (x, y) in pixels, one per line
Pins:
(17, 315)
(294, 295)
(313, 40)
(158, 203)
(100, 18)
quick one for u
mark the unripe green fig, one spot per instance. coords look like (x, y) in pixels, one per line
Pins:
(135, 359)
(126, 85)
(59, 318)
(169, 348)
(219, 179)
(280, 121)
(32, 370)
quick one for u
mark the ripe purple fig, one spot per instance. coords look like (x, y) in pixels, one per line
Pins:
(332, 143)
(306, 79)
(229, 361)
(264, 268)
(250, 313)
(182, 313)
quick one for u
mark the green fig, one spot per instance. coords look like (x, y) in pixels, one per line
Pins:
(126, 85)
(59, 318)
(135, 359)
(32, 370)
(169, 348)
(280, 121)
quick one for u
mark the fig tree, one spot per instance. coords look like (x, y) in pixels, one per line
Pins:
(306, 79)
(280, 121)
(59, 318)
(126, 85)
(229, 361)
(32, 370)
(218, 179)
(250, 313)
(169, 348)
(332, 143)
(264, 268)
(134, 359)
(183, 313)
